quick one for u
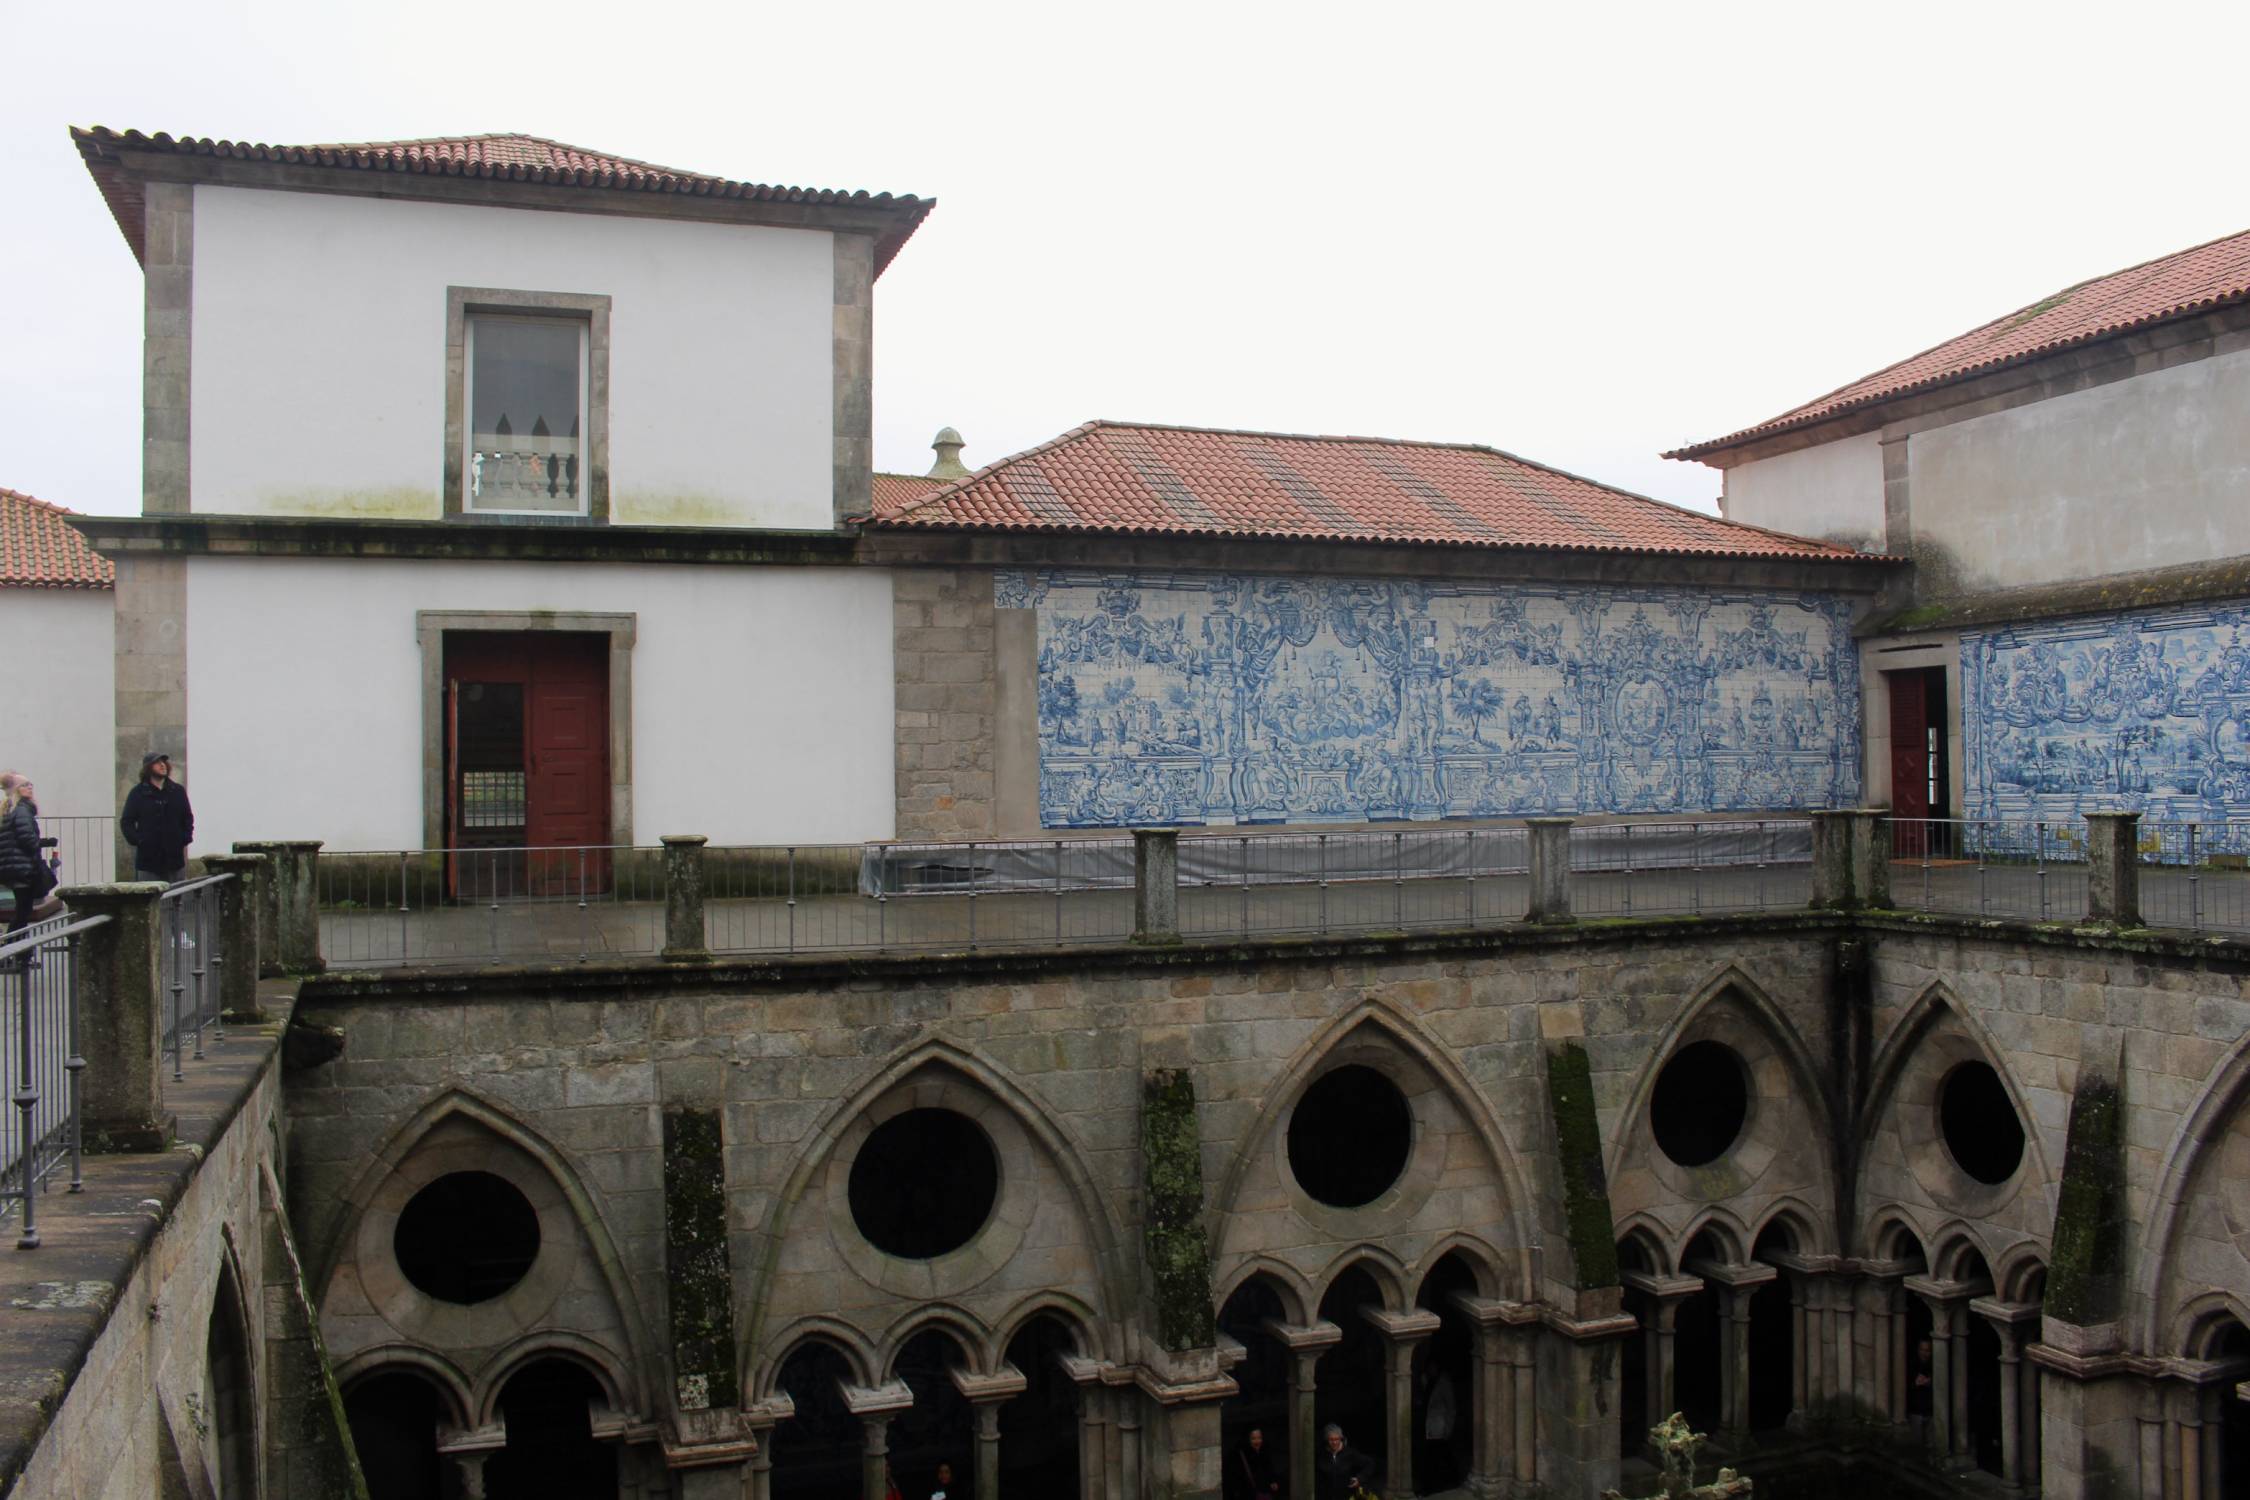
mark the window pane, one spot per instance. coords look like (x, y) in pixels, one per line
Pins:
(524, 442)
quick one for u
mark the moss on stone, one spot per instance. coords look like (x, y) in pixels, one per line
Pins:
(1179, 1256)
(2086, 1276)
(1578, 1146)
(699, 1276)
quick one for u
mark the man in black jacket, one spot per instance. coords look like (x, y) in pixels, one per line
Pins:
(157, 821)
(1340, 1471)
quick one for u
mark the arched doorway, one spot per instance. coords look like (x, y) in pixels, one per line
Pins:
(394, 1416)
(1444, 1381)
(231, 1396)
(547, 1408)
(1350, 1377)
(1773, 1336)
(1039, 1427)
(1261, 1398)
(939, 1429)
(816, 1452)
(1698, 1351)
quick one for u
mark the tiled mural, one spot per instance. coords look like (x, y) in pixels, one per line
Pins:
(1210, 698)
(2146, 712)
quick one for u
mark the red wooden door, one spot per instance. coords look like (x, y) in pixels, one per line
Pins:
(566, 733)
(1917, 760)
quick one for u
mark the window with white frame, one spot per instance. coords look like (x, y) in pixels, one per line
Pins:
(526, 434)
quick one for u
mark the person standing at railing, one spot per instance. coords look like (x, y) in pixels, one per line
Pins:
(158, 822)
(23, 870)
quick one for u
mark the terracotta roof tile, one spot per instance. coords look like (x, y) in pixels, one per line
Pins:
(40, 549)
(894, 490)
(1188, 481)
(2190, 281)
(506, 157)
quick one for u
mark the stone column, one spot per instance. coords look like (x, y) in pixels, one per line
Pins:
(289, 916)
(1550, 869)
(1659, 1336)
(1085, 1377)
(761, 1468)
(1488, 1409)
(683, 897)
(1871, 857)
(2113, 868)
(1156, 885)
(2011, 1320)
(240, 919)
(1735, 1285)
(1304, 1345)
(469, 1467)
(1128, 1445)
(120, 1017)
(1949, 1363)
(874, 1457)
(1523, 1398)
(988, 1449)
(1401, 1333)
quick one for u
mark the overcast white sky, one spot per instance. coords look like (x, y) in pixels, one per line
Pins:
(1581, 233)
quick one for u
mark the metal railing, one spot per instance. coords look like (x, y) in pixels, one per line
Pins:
(1352, 881)
(86, 847)
(189, 963)
(1687, 869)
(2196, 875)
(809, 898)
(567, 903)
(40, 1060)
(1990, 867)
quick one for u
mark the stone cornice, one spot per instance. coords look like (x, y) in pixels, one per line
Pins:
(480, 541)
(2192, 583)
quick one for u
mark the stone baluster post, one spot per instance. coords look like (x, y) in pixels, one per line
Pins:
(1832, 888)
(1156, 885)
(241, 918)
(683, 897)
(1871, 857)
(289, 918)
(121, 1017)
(2113, 868)
(1550, 869)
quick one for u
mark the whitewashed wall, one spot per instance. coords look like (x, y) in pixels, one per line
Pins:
(2139, 473)
(60, 727)
(761, 697)
(1833, 492)
(318, 380)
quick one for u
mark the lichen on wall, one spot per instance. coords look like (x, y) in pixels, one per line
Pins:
(699, 1276)
(2086, 1276)
(1179, 1253)
(1195, 698)
(1585, 1184)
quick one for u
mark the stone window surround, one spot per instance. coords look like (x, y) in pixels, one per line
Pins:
(460, 302)
(430, 627)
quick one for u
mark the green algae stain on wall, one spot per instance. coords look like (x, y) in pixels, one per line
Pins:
(2085, 1279)
(1179, 1255)
(1585, 1185)
(699, 1274)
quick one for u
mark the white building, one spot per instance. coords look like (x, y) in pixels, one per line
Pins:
(449, 443)
(55, 615)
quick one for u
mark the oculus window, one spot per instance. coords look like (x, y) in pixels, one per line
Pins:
(528, 419)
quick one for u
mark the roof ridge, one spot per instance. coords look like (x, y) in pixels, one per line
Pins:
(2038, 305)
(60, 510)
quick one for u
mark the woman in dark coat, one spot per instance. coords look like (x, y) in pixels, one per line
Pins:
(1250, 1469)
(22, 870)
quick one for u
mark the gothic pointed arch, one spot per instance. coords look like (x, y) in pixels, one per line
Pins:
(587, 1354)
(858, 1352)
(1935, 1007)
(964, 1328)
(2220, 1110)
(1383, 1268)
(1378, 1017)
(1046, 1132)
(1731, 986)
(1299, 1299)
(442, 1375)
(584, 1214)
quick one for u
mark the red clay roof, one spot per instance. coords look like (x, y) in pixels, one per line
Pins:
(506, 157)
(2190, 281)
(39, 549)
(895, 490)
(1189, 481)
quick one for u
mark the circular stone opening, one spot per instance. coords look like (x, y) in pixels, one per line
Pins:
(467, 1237)
(1350, 1136)
(924, 1183)
(1979, 1123)
(1701, 1099)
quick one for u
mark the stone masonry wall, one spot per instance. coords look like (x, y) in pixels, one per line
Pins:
(943, 658)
